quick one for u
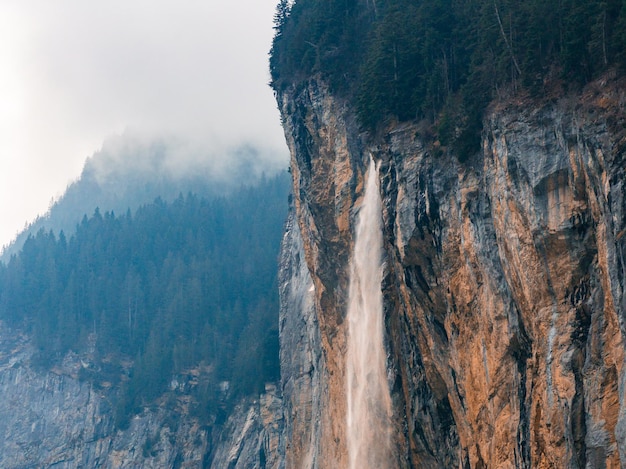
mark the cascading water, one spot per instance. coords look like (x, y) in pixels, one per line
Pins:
(369, 402)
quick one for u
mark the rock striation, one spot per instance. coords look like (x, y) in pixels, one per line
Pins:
(301, 359)
(253, 435)
(503, 285)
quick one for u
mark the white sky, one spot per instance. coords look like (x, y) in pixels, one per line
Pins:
(74, 72)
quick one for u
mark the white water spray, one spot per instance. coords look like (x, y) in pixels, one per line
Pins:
(369, 402)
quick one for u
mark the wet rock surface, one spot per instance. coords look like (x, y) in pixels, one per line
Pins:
(503, 287)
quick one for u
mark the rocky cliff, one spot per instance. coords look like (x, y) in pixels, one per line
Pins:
(503, 283)
(54, 419)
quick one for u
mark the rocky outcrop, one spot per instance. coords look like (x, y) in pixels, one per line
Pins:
(54, 419)
(503, 285)
(253, 436)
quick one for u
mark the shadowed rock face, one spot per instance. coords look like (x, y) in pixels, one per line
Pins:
(503, 287)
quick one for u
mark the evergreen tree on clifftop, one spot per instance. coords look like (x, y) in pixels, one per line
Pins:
(444, 60)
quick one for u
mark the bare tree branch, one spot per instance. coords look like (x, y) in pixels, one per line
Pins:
(506, 41)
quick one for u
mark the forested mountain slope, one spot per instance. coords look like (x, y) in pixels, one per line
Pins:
(176, 287)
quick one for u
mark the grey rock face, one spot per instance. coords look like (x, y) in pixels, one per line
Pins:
(252, 437)
(300, 352)
(52, 419)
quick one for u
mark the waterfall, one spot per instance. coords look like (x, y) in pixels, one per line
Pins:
(368, 399)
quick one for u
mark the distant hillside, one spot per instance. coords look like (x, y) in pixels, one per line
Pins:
(187, 286)
(129, 171)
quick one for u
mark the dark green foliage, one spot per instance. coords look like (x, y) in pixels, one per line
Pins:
(319, 35)
(408, 59)
(174, 286)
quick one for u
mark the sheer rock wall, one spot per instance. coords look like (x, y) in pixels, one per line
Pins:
(503, 284)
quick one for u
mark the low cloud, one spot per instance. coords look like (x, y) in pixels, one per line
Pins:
(74, 72)
(174, 157)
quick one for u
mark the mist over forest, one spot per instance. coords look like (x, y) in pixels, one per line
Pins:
(132, 169)
(151, 266)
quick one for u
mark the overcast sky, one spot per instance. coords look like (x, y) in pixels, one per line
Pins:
(74, 72)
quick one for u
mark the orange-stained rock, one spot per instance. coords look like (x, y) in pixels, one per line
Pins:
(503, 284)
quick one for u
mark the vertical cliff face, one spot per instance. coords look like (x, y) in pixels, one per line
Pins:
(503, 284)
(300, 353)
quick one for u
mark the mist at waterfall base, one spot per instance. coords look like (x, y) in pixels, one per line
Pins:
(368, 398)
